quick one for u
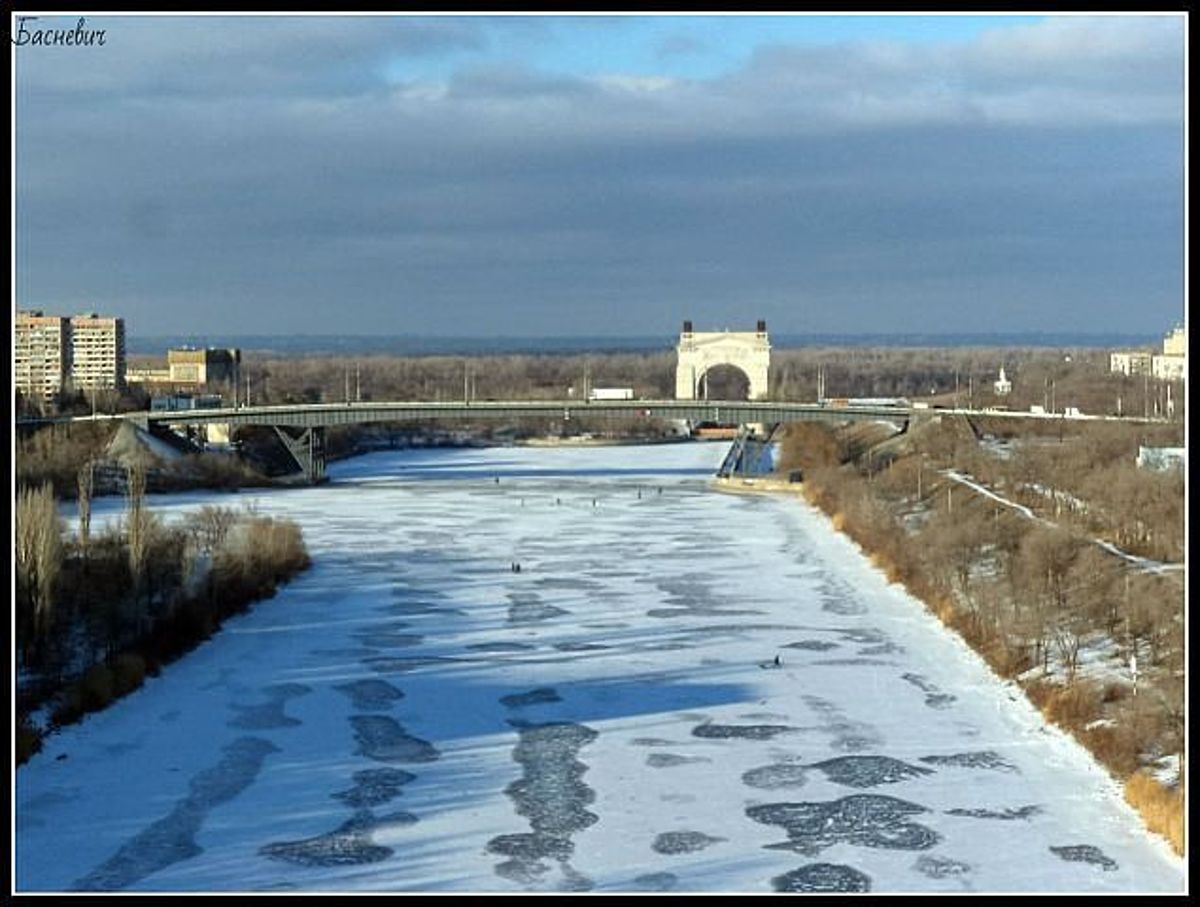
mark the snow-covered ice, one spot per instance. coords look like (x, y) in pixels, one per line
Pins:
(414, 713)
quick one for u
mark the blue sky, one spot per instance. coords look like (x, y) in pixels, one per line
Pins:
(684, 46)
(464, 175)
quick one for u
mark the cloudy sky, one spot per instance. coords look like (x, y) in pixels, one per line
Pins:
(540, 176)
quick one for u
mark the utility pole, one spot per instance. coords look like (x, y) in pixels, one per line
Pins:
(357, 383)
(466, 395)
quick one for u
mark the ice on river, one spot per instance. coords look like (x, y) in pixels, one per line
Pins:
(414, 713)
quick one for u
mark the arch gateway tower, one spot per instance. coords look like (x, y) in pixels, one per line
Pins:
(747, 351)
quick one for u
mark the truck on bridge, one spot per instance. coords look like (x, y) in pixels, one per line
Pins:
(610, 393)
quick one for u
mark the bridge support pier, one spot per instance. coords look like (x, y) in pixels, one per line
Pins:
(747, 454)
(308, 450)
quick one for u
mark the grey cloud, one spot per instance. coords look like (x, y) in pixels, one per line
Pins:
(212, 57)
(856, 188)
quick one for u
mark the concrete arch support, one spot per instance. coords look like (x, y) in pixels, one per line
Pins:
(749, 351)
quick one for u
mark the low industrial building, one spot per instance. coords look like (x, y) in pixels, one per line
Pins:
(189, 365)
(1169, 365)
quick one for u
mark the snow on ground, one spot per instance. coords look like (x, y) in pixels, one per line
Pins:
(963, 479)
(1143, 564)
(413, 713)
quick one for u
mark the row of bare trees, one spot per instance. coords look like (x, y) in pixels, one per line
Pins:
(93, 595)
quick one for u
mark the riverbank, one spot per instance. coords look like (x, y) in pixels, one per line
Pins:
(1160, 804)
(115, 616)
(592, 441)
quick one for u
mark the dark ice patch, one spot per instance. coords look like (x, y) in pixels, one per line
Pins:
(527, 608)
(814, 645)
(940, 867)
(934, 698)
(1085, 853)
(655, 881)
(533, 697)
(1020, 812)
(384, 739)
(762, 716)
(985, 759)
(839, 597)
(669, 760)
(845, 607)
(374, 787)
(388, 665)
(268, 715)
(581, 646)
(868, 771)
(776, 776)
(740, 731)
(349, 844)
(527, 846)
(832, 877)
(851, 662)
(696, 612)
(173, 837)
(501, 646)
(887, 648)
(866, 820)
(651, 741)
(847, 735)
(341, 653)
(389, 639)
(865, 635)
(370, 695)
(551, 795)
(676, 842)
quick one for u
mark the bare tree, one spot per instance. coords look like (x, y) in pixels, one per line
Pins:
(84, 481)
(38, 555)
(211, 525)
(139, 528)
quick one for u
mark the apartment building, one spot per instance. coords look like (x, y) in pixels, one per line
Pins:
(53, 352)
(41, 353)
(97, 351)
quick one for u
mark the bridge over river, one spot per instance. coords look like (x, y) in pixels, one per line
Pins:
(301, 427)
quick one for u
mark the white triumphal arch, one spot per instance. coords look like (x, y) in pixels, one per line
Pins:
(747, 351)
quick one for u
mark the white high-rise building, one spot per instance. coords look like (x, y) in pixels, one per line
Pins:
(52, 352)
(97, 351)
(41, 353)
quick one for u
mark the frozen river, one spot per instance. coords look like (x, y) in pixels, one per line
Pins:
(414, 714)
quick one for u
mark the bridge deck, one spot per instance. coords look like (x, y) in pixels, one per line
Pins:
(326, 414)
(316, 415)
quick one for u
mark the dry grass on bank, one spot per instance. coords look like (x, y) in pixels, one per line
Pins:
(1160, 807)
